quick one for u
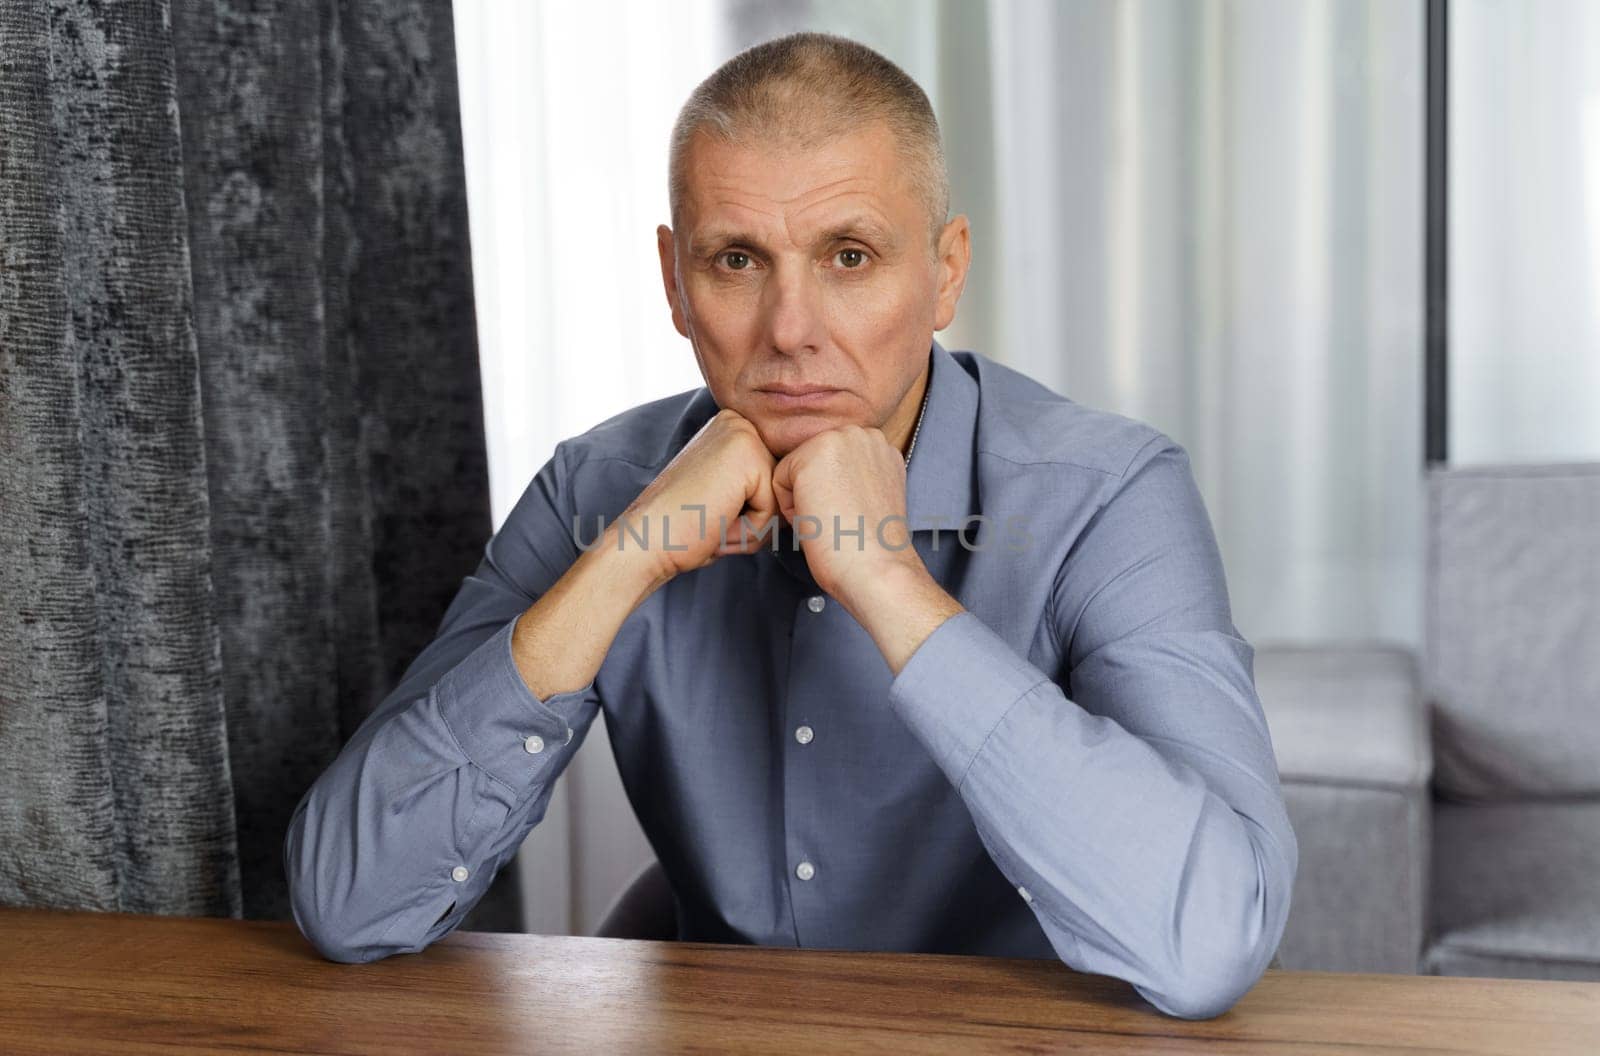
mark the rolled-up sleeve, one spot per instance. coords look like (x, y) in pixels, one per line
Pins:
(1133, 798)
(401, 835)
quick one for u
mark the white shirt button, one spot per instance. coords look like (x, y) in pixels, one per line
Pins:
(459, 873)
(569, 734)
(805, 870)
(815, 602)
(534, 744)
(1024, 893)
(803, 734)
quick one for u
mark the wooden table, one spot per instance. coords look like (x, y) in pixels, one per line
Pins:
(121, 983)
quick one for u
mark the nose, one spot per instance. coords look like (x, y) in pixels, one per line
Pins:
(793, 310)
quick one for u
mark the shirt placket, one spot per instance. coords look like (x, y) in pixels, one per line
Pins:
(804, 732)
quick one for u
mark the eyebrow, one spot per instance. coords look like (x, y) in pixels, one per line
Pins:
(860, 228)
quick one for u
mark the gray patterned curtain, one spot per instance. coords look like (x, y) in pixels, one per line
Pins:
(242, 467)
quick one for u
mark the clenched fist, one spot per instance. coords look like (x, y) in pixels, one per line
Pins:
(695, 503)
(844, 491)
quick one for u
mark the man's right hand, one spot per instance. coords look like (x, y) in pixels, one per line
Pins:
(561, 641)
(722, 474)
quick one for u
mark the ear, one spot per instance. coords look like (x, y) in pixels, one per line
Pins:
(955, 256)
(668, 251)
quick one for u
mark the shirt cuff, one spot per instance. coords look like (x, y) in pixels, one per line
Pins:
(956, 687)
(502, 726)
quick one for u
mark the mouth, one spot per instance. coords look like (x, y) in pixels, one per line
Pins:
(797, 395)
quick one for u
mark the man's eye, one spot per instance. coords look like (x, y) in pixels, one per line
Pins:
(850, 258)
(736, 260)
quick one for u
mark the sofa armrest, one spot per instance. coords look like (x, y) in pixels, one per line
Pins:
(1346, 714)
(1350, 730)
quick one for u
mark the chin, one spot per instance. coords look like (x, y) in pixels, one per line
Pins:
(784, 433)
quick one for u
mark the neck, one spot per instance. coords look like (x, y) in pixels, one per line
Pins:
(898, 429)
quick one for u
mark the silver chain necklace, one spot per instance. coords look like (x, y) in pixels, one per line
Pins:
(912, 446)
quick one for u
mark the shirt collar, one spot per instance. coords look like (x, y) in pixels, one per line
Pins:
(940, 490)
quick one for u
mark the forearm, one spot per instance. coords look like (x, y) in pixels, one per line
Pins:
(562, 640)
(1134, 862)
(1153, 857)
(899, 608)
(401, 834)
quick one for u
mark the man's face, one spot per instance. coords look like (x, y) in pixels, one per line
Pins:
(810, 270)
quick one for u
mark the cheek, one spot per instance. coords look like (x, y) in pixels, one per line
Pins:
(723, 322)
(878, 311)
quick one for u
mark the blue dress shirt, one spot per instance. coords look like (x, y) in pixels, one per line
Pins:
(1076, 767)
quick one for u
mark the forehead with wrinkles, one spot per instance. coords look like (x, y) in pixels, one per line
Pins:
(852, 187)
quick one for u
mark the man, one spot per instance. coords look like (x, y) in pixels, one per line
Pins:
(898, 649)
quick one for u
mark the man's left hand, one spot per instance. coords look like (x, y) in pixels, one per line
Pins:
(844, 492)
(855, 474)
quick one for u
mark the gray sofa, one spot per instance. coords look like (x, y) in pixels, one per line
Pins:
(1447, 806)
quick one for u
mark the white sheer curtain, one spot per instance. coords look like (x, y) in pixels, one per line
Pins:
(565, 112)
(1203, 214)
(1524, 231)
(1235, 256)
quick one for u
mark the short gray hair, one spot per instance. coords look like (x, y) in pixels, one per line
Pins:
(811, 87)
